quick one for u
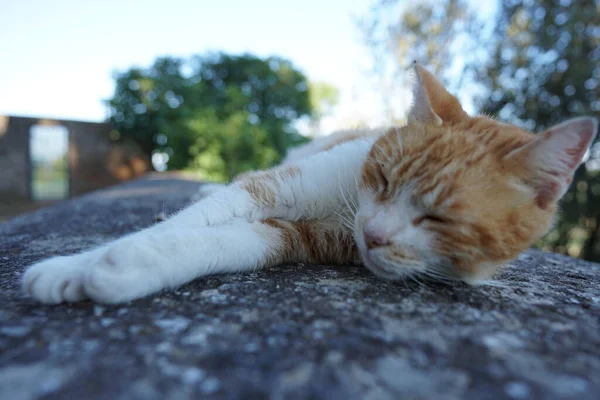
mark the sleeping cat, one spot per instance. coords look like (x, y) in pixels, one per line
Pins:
(448, 196)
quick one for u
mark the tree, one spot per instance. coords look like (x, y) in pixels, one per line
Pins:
(238, 108)
(545, 69)
(445, 35)
(323, 98)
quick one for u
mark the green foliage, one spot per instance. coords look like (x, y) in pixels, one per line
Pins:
(50, 179)
(545, 67)
(323, 97)
(228, 146)
(544, 70)
(219, 113)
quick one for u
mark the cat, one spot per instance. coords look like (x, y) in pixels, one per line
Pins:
(447, 196)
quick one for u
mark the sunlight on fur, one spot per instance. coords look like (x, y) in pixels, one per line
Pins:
(447, 197)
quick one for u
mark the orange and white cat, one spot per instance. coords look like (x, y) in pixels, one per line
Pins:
(447, 195)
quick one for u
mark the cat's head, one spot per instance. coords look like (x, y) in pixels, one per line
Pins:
(458, 196)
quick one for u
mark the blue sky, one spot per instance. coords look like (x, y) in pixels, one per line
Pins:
(58, 56)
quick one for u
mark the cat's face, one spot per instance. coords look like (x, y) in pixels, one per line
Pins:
(454, 196)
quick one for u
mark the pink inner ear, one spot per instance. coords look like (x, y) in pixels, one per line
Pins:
(546, 194)
(551, 189)
(556, 155)
(577, 152)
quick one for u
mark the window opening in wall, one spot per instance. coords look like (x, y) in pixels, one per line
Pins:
(49, 147)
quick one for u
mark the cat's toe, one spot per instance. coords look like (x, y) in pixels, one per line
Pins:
(55, 280)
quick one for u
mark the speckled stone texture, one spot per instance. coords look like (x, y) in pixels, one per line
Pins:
(300, 331)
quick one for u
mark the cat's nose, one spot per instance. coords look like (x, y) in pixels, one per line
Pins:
(374, 239)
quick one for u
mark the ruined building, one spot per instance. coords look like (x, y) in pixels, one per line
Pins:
(48, 159)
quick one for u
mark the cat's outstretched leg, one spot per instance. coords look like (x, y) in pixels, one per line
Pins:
(149, 261)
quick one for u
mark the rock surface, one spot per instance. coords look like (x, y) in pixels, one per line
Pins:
(300, 331)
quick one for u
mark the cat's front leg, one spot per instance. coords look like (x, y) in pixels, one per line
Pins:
(149, 261)
(152, 260)
(142, 264)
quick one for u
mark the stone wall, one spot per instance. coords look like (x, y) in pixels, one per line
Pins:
(94, 160)
(14, 158)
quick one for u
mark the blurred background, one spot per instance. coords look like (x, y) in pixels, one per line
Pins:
(98, 93)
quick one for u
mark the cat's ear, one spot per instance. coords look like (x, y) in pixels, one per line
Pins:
(553, 156)
(431, 101)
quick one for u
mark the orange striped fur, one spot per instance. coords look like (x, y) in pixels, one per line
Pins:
(476, 201)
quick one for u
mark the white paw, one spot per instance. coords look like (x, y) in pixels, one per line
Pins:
(124, 272)
(56, 280)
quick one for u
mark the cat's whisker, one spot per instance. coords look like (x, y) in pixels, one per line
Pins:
(345, 221)
(350, 196)
(493, 283)
(439, 272)
(353, 201)
(403, 279)
(352, 207)
(349, 207)
(425, 282)
(415, 279)
(349, 222)
(440, 277)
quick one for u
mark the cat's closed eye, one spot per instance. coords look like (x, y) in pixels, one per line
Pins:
(382, 178)
(429, 218)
